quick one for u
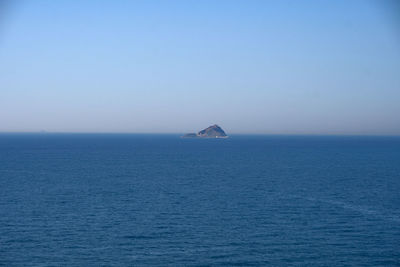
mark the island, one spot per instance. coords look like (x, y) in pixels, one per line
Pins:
(213, 131)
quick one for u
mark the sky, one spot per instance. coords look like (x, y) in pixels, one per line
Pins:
(262, 67)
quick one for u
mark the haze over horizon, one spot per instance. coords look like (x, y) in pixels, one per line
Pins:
(263, 67)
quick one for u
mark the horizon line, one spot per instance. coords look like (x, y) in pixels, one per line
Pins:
(179, 133)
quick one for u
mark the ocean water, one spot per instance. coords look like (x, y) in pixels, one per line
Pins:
(159, 200)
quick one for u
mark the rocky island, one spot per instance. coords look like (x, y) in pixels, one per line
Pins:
(213, 131)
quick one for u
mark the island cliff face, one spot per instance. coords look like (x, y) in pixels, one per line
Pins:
(213, 131)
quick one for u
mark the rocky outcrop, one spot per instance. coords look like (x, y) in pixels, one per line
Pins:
(213, 131)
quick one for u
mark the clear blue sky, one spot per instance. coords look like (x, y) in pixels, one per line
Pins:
(273, 67)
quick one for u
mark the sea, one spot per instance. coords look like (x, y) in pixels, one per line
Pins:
(160, 200)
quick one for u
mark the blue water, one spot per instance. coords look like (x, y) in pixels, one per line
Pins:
(131, 200)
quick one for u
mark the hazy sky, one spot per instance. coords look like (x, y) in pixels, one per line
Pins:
(291, 67)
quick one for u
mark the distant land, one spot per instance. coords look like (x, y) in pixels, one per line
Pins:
(213, 131)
